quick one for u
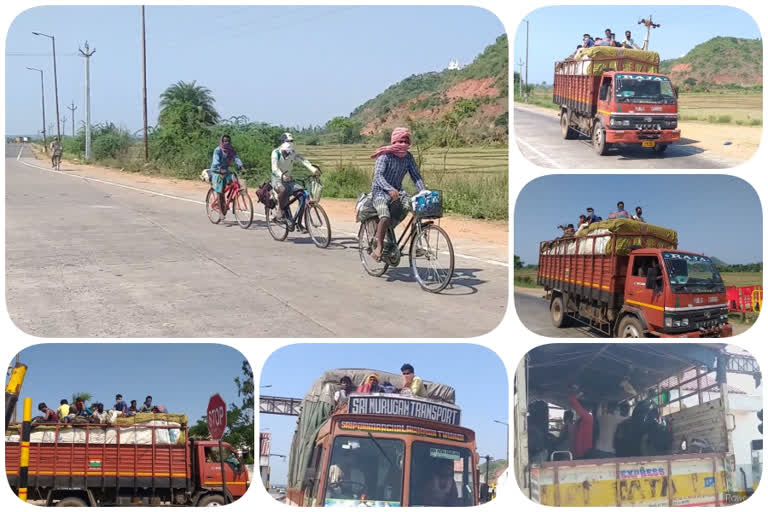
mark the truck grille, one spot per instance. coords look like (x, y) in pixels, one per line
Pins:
(643, 122)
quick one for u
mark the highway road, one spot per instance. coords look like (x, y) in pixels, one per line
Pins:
(533, 311)
(540, 141)
(88, 258)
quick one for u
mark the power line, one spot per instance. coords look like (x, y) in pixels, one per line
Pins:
(24, 54)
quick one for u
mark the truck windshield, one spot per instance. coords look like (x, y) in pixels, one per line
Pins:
(691, 273)
(441, 476)
(644, 89)
(365, 471)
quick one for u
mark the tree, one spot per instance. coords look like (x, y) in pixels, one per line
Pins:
(87, 397)
(518, 262)
(340, 125)
(190, 98)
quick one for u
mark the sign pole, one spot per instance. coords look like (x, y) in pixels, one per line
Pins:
(223, 477)
(217, 423)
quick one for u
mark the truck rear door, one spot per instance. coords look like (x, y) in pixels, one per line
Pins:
(636, 294)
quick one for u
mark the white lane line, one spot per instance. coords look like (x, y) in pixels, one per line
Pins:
(539, 153)
(169, 196)
(21, 150)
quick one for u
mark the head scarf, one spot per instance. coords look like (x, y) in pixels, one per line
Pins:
(286, 147)
(368, 387)
(227, 149)
(397, 146)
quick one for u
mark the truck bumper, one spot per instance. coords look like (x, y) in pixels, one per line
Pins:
(723, 331)
(640, 136)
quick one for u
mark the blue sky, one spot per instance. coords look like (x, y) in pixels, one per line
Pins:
(286, 65)
(180, 376)
(682, 28)
(714, 214)
(477, 374)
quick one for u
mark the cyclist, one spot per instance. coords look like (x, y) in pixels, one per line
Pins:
(392, 163)
(56, 151)
(283, 158)
(223, 156)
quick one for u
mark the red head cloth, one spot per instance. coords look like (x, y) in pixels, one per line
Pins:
(400, 143)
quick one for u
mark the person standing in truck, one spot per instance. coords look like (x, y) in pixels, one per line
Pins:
(638, 216)
(628, 42)
(608, 422)
(581, 442)
(412, 385)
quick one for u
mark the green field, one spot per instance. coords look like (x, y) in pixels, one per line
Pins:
(725, 107)
(526, 278)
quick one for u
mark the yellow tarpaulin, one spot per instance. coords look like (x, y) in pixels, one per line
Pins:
(618, 59)
(668, 237)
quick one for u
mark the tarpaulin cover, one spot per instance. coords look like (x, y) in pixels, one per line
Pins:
(137, 434)
(667, 238)
(618, 59)
(317, 405)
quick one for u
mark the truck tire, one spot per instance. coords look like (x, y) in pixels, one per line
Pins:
(598, 139)
(559, 316)
(565, 126)
(630, 327)
(72, 501)
(212, 500)
(660, 148)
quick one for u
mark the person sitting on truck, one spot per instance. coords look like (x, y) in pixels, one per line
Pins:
(587, 41)
(591, 217)
(147, 405)
(49, 415)
(412, 385)
(638, 216)
(581, 442)
(628, 42)
(347, 387)
(133, 408)
(369, 385)
(63, 410)
(620, 212)
(608, 421)
(120, 406)
(99, 414)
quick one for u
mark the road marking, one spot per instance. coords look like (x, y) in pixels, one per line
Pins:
(21, 150)
(539, 153)
(170, 196)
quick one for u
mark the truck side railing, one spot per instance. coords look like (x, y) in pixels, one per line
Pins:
(569, 66)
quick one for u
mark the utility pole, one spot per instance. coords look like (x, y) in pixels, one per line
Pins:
(87, 54)
(520, 77)
(42, 97)
(526, 60)
(649, 24)
(55, 81)
(72, 109)
(144, 80)
(487, 468)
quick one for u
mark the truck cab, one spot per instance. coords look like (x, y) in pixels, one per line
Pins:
(207, 468)
(674, 293)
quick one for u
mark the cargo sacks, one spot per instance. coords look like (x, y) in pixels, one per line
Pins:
(594, 61)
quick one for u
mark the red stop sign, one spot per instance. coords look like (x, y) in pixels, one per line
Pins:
(217, 416)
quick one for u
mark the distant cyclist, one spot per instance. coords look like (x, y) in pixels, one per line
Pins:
(56, 151)
(392, 163)
(223, 157)
(283, 158)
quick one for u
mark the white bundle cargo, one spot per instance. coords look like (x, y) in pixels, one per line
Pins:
(140, 433)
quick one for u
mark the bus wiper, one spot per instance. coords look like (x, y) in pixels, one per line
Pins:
(382, 451)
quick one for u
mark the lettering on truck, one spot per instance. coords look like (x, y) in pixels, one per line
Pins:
(391, 406)
(625, 474)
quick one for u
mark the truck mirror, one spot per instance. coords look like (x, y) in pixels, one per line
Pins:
(650, 280)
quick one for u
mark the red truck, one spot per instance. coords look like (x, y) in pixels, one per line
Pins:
(96, 468)
(633, 284)
(616, 97)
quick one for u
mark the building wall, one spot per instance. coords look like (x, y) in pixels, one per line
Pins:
(744, 408)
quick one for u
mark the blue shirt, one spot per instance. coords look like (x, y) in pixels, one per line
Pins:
(590, 43)
(120, 406)
(390, 171)
(220, 163)
(593, 217)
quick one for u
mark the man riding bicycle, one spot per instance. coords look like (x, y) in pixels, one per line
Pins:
(56, 151)
(223, 157)
(392, 163)
(283, 158)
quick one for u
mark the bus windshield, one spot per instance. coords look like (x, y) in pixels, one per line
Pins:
(365, 471)
(441, 476)
(644, 89)
(690, 273)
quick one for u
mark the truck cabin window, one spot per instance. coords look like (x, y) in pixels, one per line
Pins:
(642, 264)
(441, 476)
(605, 90)
(689, 273)
(364, 468)
(644, 89)
(212, 455)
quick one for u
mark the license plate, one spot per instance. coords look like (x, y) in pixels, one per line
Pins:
(649, 144)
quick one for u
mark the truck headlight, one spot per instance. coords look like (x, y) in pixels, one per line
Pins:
(676, 323)
(685, 322)
(668, 321)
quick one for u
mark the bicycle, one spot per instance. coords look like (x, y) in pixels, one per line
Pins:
(426, 242)
(315, 219)
(56, 162)
(235, 195)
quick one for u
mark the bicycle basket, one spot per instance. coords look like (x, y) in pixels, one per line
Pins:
(315, 189)
(428, 206)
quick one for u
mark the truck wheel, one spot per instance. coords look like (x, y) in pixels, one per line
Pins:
(598, 139)
(630, 327)
(660, 148)
(72, 501)
(212, 500)
(559, 316)
(565, 126)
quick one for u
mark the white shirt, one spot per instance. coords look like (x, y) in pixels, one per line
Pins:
(607, 426)
(638, 217)
(282, 166)
(339, 396)
(630, 43)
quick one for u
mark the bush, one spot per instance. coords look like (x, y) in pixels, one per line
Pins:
(110, 145)
(347, 182)
(724, 119)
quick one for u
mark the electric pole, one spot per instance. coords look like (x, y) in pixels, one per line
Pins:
(87, 54)
(526, 60)
(487, 468)
(64, 120)
(42, 97)
(55, 81)
(72, 109)
(649, 24)
(520, 77)
(144, 80)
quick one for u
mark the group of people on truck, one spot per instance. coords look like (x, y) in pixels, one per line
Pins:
(411, 385)
(77, 412)
(586, 220)
(593, 430)
(609, 40)
(393, 162)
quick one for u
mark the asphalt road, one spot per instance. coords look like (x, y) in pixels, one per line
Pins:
(533, 312)
(540, 141)
(89, 259)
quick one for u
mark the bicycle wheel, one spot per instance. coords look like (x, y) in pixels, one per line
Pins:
(318, 225)
(278, 230)
(243, 207)
(212, 208)
(431, 256)
(366, 242)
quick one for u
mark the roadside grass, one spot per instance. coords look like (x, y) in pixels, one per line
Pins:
(526, 277)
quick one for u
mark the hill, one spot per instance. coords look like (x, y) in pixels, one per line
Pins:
(721, 61)
(480, 89)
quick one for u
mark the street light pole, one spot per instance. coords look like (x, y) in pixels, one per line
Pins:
(144, 79)
(42, 97)
(55, 82)
(507, 438)
(87, 54)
